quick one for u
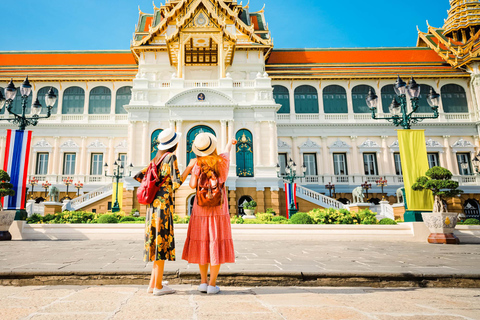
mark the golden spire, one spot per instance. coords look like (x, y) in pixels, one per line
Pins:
(463, 16)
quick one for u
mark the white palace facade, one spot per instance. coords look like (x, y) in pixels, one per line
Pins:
(211, 66)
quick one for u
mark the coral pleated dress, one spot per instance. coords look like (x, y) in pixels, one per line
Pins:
(209, 237)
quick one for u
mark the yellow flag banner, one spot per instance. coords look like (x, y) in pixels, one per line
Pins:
(120, 194)
(413, 154)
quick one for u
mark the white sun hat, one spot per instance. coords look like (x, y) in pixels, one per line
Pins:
(204, 144)
(168, 139)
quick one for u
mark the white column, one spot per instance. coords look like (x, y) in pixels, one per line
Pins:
(449, 156)
(55, 159)
(295, 152)
(231, 135)
(145, 144)
(386, 163)
(111, 156)
(113, 100)
(2, 151)
(132, 144)
(182, 147)
(60, 101)
(355, 156)
(223, 135)
(291, 93)
(83, 155)
(273, 143)
(350, 104)
(326, 162)
(87, 101)
(257, 144)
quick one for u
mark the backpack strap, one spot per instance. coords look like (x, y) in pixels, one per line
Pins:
(155, 169)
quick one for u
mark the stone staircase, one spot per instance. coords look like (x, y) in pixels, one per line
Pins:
(91, 197)
(318, 198)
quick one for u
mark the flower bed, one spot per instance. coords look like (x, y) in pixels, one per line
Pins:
(83, 217)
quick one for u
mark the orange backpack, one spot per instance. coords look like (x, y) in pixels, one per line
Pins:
(209, 190)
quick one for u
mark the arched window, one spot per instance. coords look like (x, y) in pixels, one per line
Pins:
(281, 96)
(454, 99)
(243, 200)
(41, 97)
(154, 143)
(423, 106)
(244, 152)
(359, 96)
(306, 100)
(17, 103)
(100, 101)
(73, 101)
(192, 134)
(124, 94)
(388, 94)
(335, 99)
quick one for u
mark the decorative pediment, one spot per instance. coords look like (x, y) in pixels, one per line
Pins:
(283, 147)
(97, 144)
(201, 97)
(394, 145)
(339, 146)
(122, 146)
(69, 144)
(42, 144)
(433, 144)
(369, 144)
(463, 146)
(309, 146)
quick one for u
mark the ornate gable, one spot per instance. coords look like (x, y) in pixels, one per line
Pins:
(309, 146)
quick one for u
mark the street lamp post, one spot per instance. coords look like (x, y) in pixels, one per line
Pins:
(330, 187)
(118, 173)
(400, 115)
(382, 183)
(79, 186)
(21, 119)
(45, 186)
(33, 182)
(366, 186)
(68, 182)
(291, 176)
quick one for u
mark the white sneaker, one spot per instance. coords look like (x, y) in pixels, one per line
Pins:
(150, 290)
(213, 290)
(203, 287)
(164, 290)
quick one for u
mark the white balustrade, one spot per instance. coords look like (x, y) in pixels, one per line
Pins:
(336, 116)
(78, 201)
(307, 117)
(201, 84)
(318, 197)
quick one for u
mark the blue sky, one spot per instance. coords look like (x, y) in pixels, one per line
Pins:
(109, 24)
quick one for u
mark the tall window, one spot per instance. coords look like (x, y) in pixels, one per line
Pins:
(69, 160)
(97, 164)
(335, 99)
(123, 160)
(124, 94)
(433, 160)
(154, 143)
(398, 164)
(388, 94)
(42, 163)
(191, 135)
(17, 103)
(100, 101)
(73, 101)
(281, 96)
(310, 161)
(41, 97)
(340, 164)
(454, 99)
(423, 106)
(306, 99)
(282, 161)
(464, 164)
(359, 96)
(244, 153)
(370, 164)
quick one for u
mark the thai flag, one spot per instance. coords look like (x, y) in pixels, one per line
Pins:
(17, 154)
(289, 193)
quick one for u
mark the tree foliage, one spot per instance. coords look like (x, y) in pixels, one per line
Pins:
(5, 186)
(438, 180)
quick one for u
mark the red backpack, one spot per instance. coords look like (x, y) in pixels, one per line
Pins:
(209, 190)
(150, 183)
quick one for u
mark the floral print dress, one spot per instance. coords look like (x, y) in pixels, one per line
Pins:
(159, 234)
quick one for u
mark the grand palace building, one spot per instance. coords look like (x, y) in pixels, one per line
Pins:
(211, 66)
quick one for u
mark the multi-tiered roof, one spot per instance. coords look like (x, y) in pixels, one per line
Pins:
(458, 41)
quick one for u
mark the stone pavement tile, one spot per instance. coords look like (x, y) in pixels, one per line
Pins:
(419, 317)
(15, 313)
(85, 295)
(100, 306)
(239, 316)
(324, 313)
(71, 316)
(13, 302)
(292, 297)
(171, 312)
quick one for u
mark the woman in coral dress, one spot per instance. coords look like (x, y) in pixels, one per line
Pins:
(159, 233)
(209, 237)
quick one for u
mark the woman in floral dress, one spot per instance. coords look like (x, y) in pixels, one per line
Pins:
(159, 233)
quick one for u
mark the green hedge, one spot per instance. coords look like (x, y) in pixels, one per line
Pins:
(470, 222)
(83, 217)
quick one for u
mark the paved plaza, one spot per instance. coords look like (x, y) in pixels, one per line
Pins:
(274, 262)
(132, 302)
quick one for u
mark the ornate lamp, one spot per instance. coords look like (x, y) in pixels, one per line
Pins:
(45, 186)
(33, 182)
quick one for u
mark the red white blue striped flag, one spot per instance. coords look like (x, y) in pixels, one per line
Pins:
(289, 193)
(17, 154)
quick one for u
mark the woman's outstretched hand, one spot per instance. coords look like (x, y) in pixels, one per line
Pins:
(230, 144)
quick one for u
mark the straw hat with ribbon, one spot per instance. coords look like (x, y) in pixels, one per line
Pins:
(204, 144)
(168, 139)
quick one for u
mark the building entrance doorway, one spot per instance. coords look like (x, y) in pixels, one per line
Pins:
(192, 134)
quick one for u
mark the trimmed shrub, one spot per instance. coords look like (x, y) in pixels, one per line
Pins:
(107, 218)
(301, 218)
(237, 220)
(265, 217)
(280, 219)
(471, 222)
(140, 219)
(387, 221)
(127, 218)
